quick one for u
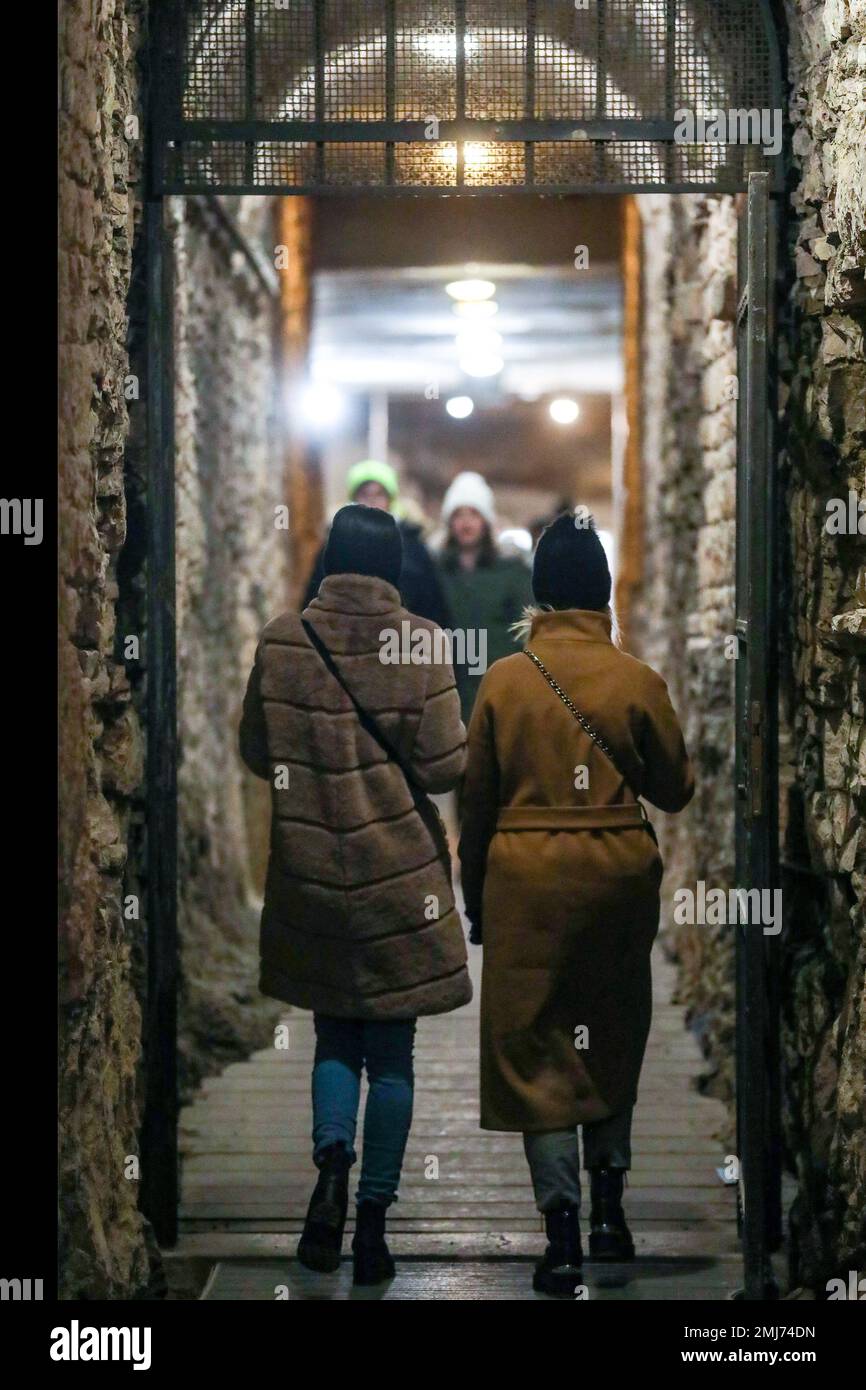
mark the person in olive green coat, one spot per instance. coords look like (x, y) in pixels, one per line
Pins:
(485, 592)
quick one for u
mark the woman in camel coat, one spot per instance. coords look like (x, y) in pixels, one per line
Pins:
(561, 877)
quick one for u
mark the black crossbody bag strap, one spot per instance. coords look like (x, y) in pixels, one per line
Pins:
(588, 729)
(366, 722)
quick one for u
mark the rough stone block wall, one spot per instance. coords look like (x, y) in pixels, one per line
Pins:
(688, 429)
(824, 420)
(103, 1250)
(231, 566)
(232, 577)
(685, 610)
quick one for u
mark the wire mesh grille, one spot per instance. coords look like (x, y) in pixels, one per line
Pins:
(298, 167)
(425, 61)
(431, 165)
(495, 48)
(499, 163)
(286, 62)
(328, 94)
(214, 61)
(566, 67)
(354, 60)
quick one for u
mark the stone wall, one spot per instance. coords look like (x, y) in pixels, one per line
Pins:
(231, 579)
(684, 611)
(824, 418)
(687, 425)
(231, 566)
(103, 1252)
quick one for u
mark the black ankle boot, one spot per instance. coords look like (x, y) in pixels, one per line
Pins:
(372, 1259)
(609, 1237)
(322, 1237)
(559, 1271)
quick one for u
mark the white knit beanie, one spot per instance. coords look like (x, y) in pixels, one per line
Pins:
(469, 490)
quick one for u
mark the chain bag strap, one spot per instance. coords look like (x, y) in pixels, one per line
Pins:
(588, 729)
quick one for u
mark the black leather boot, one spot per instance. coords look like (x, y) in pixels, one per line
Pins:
(372, 1259)
(558, 1272)
(609, 1236)
(322, 1236)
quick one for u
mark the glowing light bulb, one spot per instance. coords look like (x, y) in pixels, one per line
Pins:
(460, 407)
(322, 406)
(475, 309)
(564, 410)
(485, 364)
(477, 340)
(471, 289)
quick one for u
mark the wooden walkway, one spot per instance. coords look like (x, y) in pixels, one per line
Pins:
(468, 1234)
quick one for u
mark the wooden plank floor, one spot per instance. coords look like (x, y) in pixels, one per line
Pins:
(467, 1234)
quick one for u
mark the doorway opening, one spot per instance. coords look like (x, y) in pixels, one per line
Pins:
(555, 99)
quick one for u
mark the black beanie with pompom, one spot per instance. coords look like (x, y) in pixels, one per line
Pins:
(570, 568)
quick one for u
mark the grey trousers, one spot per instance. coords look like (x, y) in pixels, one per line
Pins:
(554, 1158)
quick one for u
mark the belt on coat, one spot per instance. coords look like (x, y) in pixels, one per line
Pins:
(571, 817)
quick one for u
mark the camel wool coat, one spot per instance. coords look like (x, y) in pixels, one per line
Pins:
(359, 918)
(562, 874)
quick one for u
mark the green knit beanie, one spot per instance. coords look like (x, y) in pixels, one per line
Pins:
(371, 471)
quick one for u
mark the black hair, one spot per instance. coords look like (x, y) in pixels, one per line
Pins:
(364, 540)
(570, 568)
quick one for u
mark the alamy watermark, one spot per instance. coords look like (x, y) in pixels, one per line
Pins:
(22, 516)
(422, 646)
(735, 127)
(846, 516)
(854, 1288)
(77, 1343)
(718, 907)
(20, 1290)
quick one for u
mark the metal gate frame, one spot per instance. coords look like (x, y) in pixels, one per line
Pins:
(756, 755)
(756, 746)
(171, 129)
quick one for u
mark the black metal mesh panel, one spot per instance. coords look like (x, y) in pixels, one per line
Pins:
(207, 164)
(500, 163)
(355, 164)
(425, 60)
(566, 42)
(722, 57)
(285, 84)
(633, 161)
(495, 50)
(636, 51)
(293, 167)
(354, 39)
(431, 165)
(285, 164)
(214, 61)
(331, 93)
(564, 162)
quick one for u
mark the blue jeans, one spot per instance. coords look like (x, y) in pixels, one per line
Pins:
(344, 1046)
(554, 1157)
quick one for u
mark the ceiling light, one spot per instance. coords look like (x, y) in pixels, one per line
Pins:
(482, 364)
(443, 45)
(478, 339)
(436, 45)
(564, 410)
(477, 155)
(471, 290)
(322, 405)
(475, 309)
(460, 407)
